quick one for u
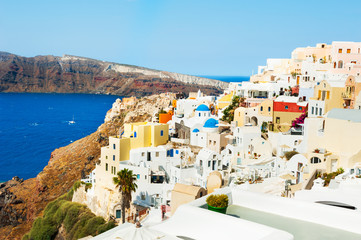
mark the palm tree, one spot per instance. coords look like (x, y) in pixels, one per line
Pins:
(125, 181)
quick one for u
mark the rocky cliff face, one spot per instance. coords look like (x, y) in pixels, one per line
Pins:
(70, 74)
(22, 201)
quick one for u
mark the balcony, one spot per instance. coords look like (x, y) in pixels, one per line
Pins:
(347, 95)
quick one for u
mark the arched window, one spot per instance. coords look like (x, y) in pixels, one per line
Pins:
(315, 160)
(161, 133)
(261, 108)
(340, 64)
(334, 65)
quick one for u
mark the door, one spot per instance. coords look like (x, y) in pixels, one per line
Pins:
(334, 165)
(118, 213)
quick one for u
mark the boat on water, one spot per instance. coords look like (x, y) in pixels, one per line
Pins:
(72, 121)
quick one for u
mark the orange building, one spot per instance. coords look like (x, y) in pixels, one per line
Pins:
(165, 117)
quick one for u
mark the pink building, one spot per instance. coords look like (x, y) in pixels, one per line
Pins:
(346, 58)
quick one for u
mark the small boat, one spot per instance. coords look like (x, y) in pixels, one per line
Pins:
(72, 121)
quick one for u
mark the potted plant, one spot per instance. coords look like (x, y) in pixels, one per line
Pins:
(217, 202)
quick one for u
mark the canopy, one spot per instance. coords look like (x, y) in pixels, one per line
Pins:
(131, 232)
(288, 177)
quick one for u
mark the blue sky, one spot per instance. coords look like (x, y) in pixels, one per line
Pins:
(200, 37)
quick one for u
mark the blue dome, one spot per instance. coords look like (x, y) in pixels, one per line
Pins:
(211, 123)
(202, 107)
(195, 130)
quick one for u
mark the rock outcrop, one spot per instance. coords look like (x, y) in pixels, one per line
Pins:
(70, 74)
(22, 201)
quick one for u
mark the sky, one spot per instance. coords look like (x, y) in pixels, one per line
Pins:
(198, 37)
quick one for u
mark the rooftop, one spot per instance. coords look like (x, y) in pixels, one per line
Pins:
(353, 115)
(203, 108)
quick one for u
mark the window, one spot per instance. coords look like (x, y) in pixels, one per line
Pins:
(106, 156)
(278, 119)
(340, 64)
(340, 50)
(113, 146)
(161, 133)
(316, 111)
(115, 170)
(113, 157)
(135, 134)
(261, 108)
(348, 50)
(214, 142)
(315, 160)
(313, 110)
(111, 170)
(269, 109)
(106, 167)
(286, 107)
(118, 213)
(300, 108)
(354, 62)
(199, 114)
(320, 111)
(210, 142)
(157, 154)
(209, 163)
(143, 154)
(138, 176)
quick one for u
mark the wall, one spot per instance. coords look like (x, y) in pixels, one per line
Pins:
(165, 117)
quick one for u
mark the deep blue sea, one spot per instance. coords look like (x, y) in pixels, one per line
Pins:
(32, 125)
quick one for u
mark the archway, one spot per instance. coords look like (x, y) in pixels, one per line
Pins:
(340, 64)
(254, 121)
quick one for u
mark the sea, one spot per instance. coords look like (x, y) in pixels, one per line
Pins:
(32, 125)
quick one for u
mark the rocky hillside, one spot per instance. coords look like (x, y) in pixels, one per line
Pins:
(70, 74)
(22, 201)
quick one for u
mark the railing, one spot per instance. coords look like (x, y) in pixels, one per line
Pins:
(346, 95)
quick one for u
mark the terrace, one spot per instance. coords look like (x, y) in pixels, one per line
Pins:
(258, 216)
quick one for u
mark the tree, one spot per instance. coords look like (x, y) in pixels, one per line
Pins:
(125, 181)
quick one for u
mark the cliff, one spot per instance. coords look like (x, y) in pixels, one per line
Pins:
(71, 74)
(22, 201)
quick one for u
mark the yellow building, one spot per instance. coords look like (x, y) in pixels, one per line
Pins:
(285, 110)
(136, 135)
(224, 101)
(239, 116)
(255, 115)
(334, 141)
(331, 93)
(265, 109)
(352, 90)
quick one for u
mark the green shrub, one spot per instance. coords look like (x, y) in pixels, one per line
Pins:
(105, 227)
(88, 186)
(217, 200)
(228, 113)
(76, 218)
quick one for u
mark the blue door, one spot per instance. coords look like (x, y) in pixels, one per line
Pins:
(118, 213)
